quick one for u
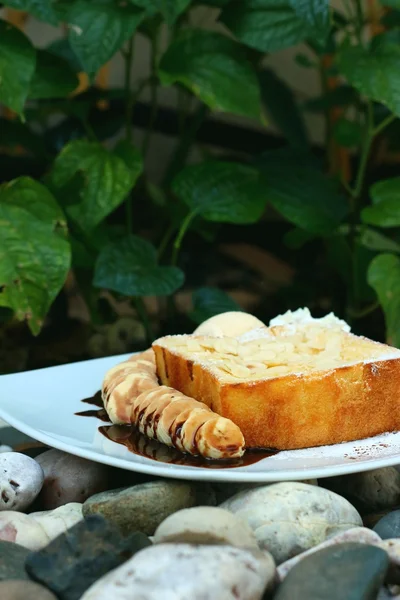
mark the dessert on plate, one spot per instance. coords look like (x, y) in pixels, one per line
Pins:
(296, 383)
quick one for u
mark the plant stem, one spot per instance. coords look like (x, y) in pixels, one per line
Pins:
(381, 126)
(365, 311)
(130, 102)
(368, 137)
(179, 157)
(129, 96)
(181, 233)
(165, 240)
(144, 318)
(153, 93)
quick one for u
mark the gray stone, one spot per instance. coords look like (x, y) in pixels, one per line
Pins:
(349, 571)
(72, 562)
(389, 525)
(69, 478)
(12, 561)
(205, 525)
(392, 547)
(184, 571)
(21, 480)
(24, 590)
(289, 518)
(370, 491)
(361, 535)
(144, 506)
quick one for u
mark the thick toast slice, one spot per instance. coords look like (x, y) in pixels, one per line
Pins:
(289, 386)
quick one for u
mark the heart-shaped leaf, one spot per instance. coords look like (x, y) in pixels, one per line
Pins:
(17, 66)
(222, 191)
(282, 108)
(34, 255)
(105, 178)
(385, 211)
(41, 9)
(129, 267)
(215, 69)
(169, 9)
(97, 30)
(316, 14)
(267, 25)
(384, 277)
(209, 301)
(375, 240)
(53, 78)
(302, 193)
(375, 74)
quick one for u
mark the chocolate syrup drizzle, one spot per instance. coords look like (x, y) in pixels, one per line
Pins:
(137, 443)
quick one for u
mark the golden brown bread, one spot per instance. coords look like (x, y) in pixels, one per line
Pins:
(132, 395)
(289, 386)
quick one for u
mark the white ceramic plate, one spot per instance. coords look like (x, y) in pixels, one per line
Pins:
(42, 404)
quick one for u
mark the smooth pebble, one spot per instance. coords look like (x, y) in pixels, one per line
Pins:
(69, 478)
(291, 517)
(370, 491)
(144, 506)
(180, 571)
(24, 590)
(206, 525)
(389, 525)
(21, 480)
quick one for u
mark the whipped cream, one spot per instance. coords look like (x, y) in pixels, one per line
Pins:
(302, 316)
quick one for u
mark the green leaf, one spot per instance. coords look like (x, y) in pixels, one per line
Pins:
(391, 3)
(391, 19)
(222, 191)
(62, 49)
(343, 95)
(41, 9)
(266, 25)
(384, 278)
(316, 14)
(34, 255)
(385, 211)
(282, 108)
(302, 193)
(97, 30)
(375, 74)
(215, 69)
(17, 65)
(296, 238)
(208, 302)
(129, 267)
(53, 77)
(347, 133)
(170, 9)
(104, 179)
(374, 240)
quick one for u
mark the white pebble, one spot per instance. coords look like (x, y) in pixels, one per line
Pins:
(21, 479)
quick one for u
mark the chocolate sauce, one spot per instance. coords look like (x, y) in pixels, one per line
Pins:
(141, 445)
(99, 413)
(138, 444)
(96, 400)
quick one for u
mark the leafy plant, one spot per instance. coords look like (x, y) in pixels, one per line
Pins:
(78, 199)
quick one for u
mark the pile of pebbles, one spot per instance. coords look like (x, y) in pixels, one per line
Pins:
(73, 529)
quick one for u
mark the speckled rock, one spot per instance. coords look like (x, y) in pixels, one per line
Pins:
(24, 590)
(143, 507)
(206, 525)
(227, 489)
(348, 571)
(12, 561)
(76, 559)
(69, 478)
(389, 525)
(183, 571)
(370, 491)
(21, 480)
(36, 530)
(360, 535)
(289, 518)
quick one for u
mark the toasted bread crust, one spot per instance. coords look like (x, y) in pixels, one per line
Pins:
(295, 411)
